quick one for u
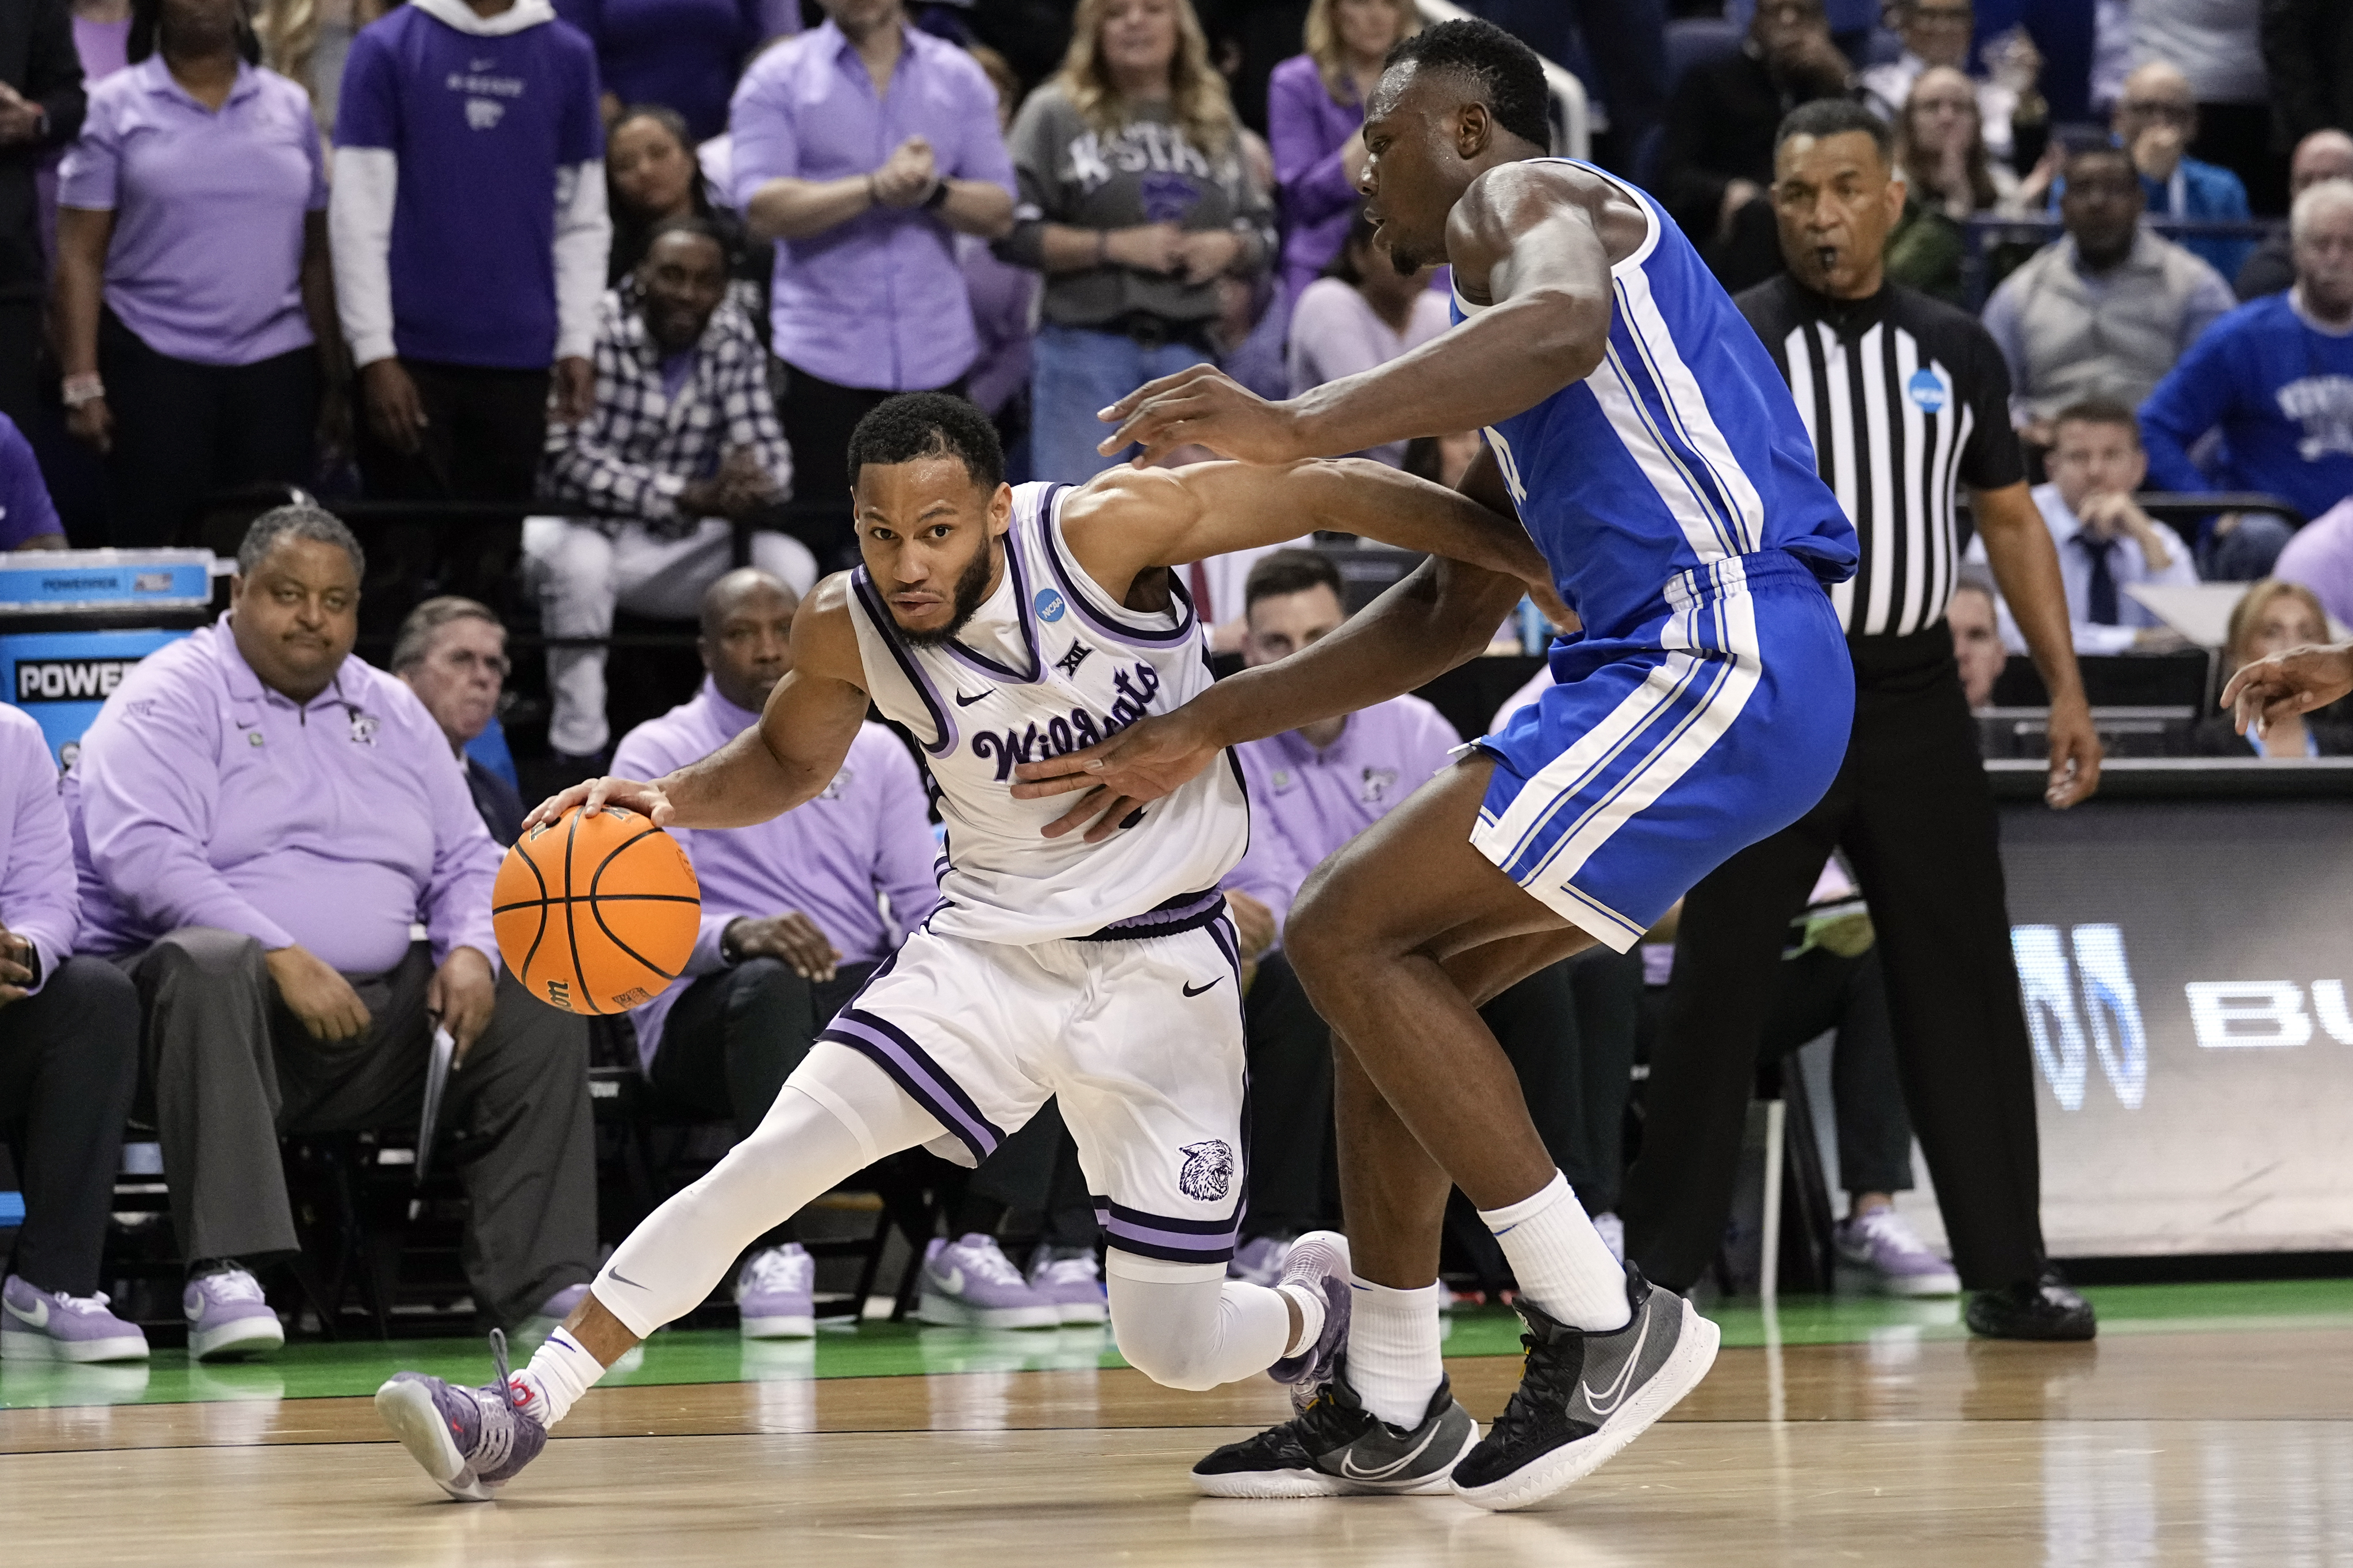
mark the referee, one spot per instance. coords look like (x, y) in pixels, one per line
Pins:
(1906, 399)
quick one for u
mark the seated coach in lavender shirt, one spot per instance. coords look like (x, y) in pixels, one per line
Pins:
(259, 819)
(1311, 791)
(791, 919)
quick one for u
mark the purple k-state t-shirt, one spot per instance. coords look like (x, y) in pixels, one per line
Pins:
(479, 124)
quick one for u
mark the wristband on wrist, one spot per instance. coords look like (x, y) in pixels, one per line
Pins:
(78, 390)
(939, 196)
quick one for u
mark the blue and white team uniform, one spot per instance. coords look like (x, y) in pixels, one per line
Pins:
(1103, 974)
(1707, 701)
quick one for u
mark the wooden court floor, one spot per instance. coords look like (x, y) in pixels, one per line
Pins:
(2158, 1445)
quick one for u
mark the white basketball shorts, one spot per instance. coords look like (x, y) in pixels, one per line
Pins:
(1139, 1039)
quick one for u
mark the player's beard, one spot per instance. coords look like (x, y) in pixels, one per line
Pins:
(971, 586)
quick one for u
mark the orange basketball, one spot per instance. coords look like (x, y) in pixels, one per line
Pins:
(595, 914)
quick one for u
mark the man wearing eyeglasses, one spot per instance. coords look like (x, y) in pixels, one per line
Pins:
(452, 653)
(2156, 121)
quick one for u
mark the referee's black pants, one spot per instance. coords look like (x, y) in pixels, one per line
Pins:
(1912, 810)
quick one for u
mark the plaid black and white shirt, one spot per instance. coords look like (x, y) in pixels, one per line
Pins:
(632, 456)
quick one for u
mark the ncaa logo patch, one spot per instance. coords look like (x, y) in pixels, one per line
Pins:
(1049, 605)
(1926, 390)
(1209, 1170)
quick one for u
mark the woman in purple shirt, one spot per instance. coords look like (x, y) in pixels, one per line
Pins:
(195, 321)
(1314, 119)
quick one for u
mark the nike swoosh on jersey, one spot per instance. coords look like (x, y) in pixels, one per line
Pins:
(963, 701)
(1348, 1461)
(1198, 989)
(1623, 1382)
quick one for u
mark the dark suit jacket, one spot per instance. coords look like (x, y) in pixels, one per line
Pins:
(37, 59)
(496, 799)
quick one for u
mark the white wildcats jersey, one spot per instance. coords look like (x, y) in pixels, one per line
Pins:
(1051, 663)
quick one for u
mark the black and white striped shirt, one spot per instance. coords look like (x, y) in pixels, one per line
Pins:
(1905, 397)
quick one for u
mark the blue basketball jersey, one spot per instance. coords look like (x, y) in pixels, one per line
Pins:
(1681, 449)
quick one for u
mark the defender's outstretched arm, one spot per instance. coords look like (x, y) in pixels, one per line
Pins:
(1124, 521)
(782, 762)
(1545, 266)
(1440, 615)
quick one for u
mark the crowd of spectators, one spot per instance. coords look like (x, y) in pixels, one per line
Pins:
(632, 269)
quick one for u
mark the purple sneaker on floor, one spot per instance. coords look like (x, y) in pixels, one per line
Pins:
(229, 1316)
(48, 1325)
(969, 1283)
(471, 1441)
(775, 1293)
(1318, 1261)
(1900, 1263)
(1071, 1279)
(1258, 1260)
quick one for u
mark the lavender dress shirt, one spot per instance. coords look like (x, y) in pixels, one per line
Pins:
(1305, 803)
(877, 302)
(866, 834)
(1305, 128)
(203, 798)
(36, 870)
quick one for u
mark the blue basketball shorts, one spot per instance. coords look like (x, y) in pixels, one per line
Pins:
(1659, 754)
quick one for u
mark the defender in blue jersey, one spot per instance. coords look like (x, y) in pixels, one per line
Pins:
(1644, 436)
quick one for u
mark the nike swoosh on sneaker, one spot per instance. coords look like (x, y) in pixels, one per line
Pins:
(1624, 1381)
(1348, 1461)
(952, 1282)
(1198, 989)
(29, 1319)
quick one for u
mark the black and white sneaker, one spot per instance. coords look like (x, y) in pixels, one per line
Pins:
(1583, 1396)
(1336, 1447)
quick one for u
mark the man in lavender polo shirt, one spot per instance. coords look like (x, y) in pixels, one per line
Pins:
(862, 148)
(791, 926)
(259, 819)
(1311, 791)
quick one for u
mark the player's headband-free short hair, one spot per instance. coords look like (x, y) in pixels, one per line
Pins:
(1837, 116)
(2099, 411)
(1288, 571)
(1509, 74)
(302, 520)
(415, 639)
(929, 424)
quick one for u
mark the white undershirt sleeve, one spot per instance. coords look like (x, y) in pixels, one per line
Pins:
(584, 240)
(359, 228)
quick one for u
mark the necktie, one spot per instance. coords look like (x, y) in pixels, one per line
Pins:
(1196, 582)
(2102, 599)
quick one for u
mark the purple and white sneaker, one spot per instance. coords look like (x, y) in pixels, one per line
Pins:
(970, 1283)
(229, 1316)
(1883, 1243)
(48, 1325)
(471, 1441)
(775, 1293)
(1319, 1261)
(1072, 1280)
(1258, 1260)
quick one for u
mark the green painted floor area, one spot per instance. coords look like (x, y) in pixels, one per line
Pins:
(312, 1370)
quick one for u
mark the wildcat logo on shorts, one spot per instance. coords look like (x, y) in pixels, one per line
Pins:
(1209, 1170)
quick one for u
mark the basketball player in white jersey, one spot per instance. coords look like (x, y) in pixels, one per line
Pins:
(999, 626)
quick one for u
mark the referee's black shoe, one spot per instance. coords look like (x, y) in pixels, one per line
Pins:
(2044, 1307)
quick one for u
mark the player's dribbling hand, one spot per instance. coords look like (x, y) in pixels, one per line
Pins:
(2297, 682)
(461, 995)
(1149, 759)
(1202, 406)
(594, 794)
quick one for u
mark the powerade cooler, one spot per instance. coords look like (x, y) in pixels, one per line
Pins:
(72, 621)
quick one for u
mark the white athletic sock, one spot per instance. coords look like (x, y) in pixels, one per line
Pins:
(1393, 1362)
(1312, 1310)
(560, 1372)
(1560, 1261)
